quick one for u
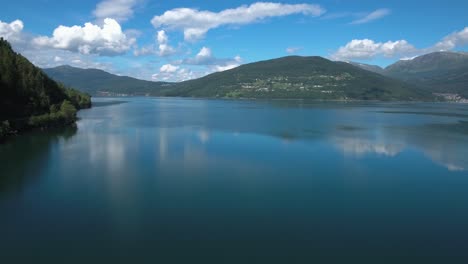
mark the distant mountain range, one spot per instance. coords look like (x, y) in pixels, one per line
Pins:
(296, 77)
(439, 72)
(442, 72)
(95, 82)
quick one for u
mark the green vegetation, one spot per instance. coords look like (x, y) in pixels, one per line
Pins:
(65, 114)
(298, 77)
(98, 82)
(29, 98)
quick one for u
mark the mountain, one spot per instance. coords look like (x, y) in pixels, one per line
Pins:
(96, 81)
(298, 77)
(369, 67)
(29, 98)
(442, 72)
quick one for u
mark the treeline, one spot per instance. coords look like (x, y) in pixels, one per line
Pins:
(29, 98)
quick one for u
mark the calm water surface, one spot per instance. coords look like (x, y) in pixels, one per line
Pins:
(146, 180)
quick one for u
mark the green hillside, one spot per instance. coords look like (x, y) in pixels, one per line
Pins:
(298, 77)
(29, 98)
(94, 81)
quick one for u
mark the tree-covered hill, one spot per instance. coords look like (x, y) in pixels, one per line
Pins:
(299, 77)
(29, 98)
(96, 82)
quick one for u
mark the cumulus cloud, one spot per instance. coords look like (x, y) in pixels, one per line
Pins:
(107, 40)
(120, 10)
(453, 40)
(367, 49)
(195, 23)
(377, 14)
(205, 57)
(11, 31)
(168, 68)
(162, 49)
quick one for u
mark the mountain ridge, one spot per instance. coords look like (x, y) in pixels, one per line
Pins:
(438, 72)
(312, 77)
(97, 81)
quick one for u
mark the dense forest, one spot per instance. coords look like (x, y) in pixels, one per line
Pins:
(29, 98)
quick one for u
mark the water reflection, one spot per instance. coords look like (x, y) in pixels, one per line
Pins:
(441, 143)
(25, 157)
(359, 147)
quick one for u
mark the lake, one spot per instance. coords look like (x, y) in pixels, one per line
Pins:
(169, 180)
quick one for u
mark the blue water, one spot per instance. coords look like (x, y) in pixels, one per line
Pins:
(167, 180)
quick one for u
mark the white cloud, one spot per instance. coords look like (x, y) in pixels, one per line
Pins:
(291, 50)
(195, 23)
(11, 31)
(204, 53)
(162, 37)
(178, 75)
(205, 57)
(399, 47)
(107, 40)
(168, 68)
(453, 40)
(163, 48)
(369, 49)
(120, 10)
(377, 14)
(366, 49)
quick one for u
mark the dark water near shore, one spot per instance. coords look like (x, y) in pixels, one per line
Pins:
(145, 180)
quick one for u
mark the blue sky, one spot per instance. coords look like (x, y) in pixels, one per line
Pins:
(178, 40)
